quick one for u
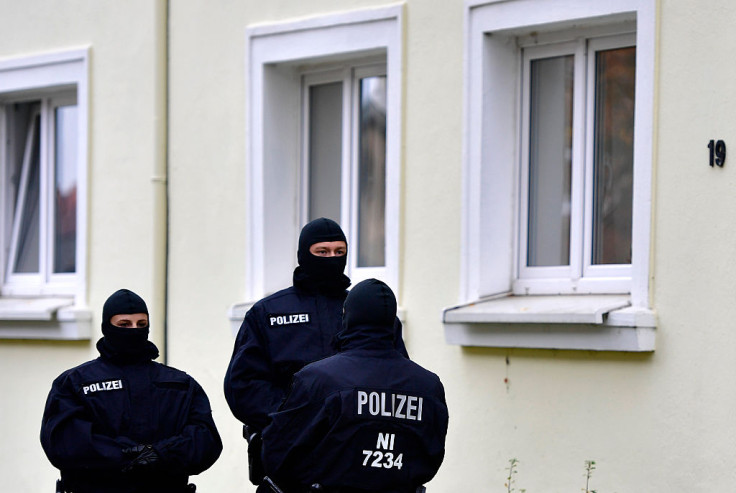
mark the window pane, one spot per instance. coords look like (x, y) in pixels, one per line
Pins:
(550, 161)
(614, 156)
(372, 173)
(27, 242)
(65, 189)
(325, 150)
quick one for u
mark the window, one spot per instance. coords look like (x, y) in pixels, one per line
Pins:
(40, 181)
(345, 137)
(43, 160)
(323, 139)
(557, 176)
(577, 150)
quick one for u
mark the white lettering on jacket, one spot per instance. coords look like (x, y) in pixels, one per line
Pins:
(103, 386)
(388, 404)
(294, 318)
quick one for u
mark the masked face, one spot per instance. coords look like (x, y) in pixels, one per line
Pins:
(322, 256)
(130, 320)
(129, 338)
(125, 323)
(329, 249)
(326, 260)
(321, 237)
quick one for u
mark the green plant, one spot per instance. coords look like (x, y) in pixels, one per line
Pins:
(513, 464)
(589, 468)
(513, 469)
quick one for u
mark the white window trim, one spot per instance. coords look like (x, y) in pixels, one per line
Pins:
(272, 137)
(357, 273)
(349, 75)
(562, 271)
(490, 179)
(28, 315)
(579, 276)
(45, 282)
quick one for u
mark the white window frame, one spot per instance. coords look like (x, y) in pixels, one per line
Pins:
(277, 55)
(35, 308)
(45, 281)
(580, 276)
(531, 279)
(350, 77)
(488, 312)
(358, 273)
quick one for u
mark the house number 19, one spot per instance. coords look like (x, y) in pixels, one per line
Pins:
(717, 153)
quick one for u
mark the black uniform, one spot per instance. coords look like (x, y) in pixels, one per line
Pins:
(283, 332)
(279, 335)
(364, 420)
(123, 423)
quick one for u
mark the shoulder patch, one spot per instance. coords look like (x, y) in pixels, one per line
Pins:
(102, 386)
(277, 319)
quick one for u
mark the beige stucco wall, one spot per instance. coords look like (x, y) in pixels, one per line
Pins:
(124, 246)
(660, 422)
(657, 422)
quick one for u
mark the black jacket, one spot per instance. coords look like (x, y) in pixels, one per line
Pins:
(366, 419)
(101, 407)
(279, 335)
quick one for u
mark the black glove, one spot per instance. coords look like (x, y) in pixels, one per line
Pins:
(144, 457)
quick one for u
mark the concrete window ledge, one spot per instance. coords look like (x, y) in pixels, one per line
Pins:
(577, 322)
(44, 318)
(236, 313)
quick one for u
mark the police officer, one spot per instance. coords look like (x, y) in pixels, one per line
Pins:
(364, 420)
(288, 329)
(123, 423)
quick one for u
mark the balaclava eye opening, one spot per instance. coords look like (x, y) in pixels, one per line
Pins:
(125, 341)
(324, 273)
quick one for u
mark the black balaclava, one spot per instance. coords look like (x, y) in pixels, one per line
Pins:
(368, 315)
(125, 343)
(323, 274)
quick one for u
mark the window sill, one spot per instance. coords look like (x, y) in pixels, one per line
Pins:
(577, 322)
(236, 314)
(44, 318)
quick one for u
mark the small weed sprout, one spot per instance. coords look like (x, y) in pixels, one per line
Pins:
(513, 469)
(589, 468)
(513, 464)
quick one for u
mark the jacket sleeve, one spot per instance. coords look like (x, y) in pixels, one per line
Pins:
(198, 445)
(301, 422)
(70, 437)
(250, 389)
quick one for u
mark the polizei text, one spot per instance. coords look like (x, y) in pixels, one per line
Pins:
(294, 318)
(388, 404)
(102, 386)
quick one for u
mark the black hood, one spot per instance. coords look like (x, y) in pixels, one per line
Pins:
(321, 274)
(368, 316)
(125, 343)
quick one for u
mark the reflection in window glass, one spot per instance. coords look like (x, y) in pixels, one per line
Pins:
(372, 173)
(325, 150)
(550, 161)
(65, 189)
(27, 242)
(614, 156)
